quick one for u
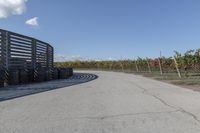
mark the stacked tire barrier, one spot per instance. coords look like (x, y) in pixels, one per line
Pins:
(1, 78)
(25, 60)
(14, 77)
(64, 73)
(55, 73)
(23, 77)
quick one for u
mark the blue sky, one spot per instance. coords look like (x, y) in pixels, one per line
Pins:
(103, 29)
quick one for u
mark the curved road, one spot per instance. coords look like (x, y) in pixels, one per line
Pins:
(113, 103)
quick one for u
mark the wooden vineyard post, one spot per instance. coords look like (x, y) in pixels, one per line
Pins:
(122, 66)
(160, 66)
(149, 67)
(98, 66)
(136, 66)
(177, 69)
(111, 66)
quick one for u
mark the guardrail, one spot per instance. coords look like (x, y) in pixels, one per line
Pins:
(24, 59)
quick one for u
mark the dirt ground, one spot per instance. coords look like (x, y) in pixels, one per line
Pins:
(192, 84)
(191, 87)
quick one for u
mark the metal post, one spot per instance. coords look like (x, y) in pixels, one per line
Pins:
(52, 61)
(35, 73)
(47, 57)
(47, 70)
(52, 57)
(160, 65)
(6, 44)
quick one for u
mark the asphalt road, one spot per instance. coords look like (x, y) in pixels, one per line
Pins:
(113, 103)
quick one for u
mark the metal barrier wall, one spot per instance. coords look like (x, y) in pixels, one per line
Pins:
(24, 55)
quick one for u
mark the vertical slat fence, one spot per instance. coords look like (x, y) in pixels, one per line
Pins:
(24, 59)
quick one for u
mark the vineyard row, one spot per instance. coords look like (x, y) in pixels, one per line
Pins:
(181, 64)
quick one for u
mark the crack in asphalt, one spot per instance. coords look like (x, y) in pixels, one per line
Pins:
(179, 109)
(124, 115)
(118, 115)
(189, 113)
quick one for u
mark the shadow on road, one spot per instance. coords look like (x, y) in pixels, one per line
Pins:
(12, 92)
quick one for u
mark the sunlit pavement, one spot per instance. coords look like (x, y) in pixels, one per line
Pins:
(113, 103)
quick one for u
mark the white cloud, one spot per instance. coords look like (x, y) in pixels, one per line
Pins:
(12, 7)
(32, 21)
(62, 58)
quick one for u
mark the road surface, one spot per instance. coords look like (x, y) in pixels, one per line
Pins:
(113, 103)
